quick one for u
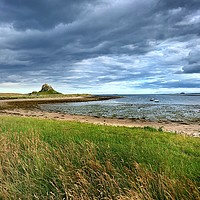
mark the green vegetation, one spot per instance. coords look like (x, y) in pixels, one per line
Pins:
(11, 96)
(34, 95)
(46, 91)
(47, 159)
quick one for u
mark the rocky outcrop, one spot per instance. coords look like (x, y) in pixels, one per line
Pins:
(46, 88)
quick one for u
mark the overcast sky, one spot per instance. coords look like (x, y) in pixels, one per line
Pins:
(100, 46)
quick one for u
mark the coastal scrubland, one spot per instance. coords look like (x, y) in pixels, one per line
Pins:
(49, 159)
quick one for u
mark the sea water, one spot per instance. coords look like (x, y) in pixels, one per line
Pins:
(180, 108)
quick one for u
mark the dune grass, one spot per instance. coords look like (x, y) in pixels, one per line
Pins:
(49, 159)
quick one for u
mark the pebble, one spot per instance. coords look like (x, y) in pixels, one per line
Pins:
(196, 134)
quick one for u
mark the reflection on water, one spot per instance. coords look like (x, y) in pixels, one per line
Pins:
(169, 108)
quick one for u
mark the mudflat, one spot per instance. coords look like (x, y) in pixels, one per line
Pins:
(31, 108)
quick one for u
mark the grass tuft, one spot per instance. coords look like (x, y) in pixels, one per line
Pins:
(46, 159)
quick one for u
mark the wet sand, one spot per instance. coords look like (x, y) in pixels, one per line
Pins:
(30, 108)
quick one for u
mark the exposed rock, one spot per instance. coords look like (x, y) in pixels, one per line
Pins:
(46, 88)
(196, 134)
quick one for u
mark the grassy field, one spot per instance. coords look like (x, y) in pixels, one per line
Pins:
(38, 95)
(47, 159)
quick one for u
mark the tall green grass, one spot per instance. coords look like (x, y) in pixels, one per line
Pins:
(47, 159)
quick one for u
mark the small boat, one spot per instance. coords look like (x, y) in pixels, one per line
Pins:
(156, 100)
(152, 99)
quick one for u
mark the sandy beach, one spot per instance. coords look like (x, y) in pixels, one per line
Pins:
(30, 108)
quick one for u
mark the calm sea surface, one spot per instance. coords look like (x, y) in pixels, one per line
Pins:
(169, 108)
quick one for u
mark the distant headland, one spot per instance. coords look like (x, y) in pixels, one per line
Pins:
(45, 90)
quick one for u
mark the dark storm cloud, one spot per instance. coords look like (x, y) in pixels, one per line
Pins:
(169, 4)
(193, 65)
(39, 14)
(97, 42)
(169, 85)
(192, 69)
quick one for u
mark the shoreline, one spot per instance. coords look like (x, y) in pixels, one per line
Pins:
(31, 108)
(33, 103)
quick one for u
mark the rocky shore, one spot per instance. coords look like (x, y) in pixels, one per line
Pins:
(31, 108)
